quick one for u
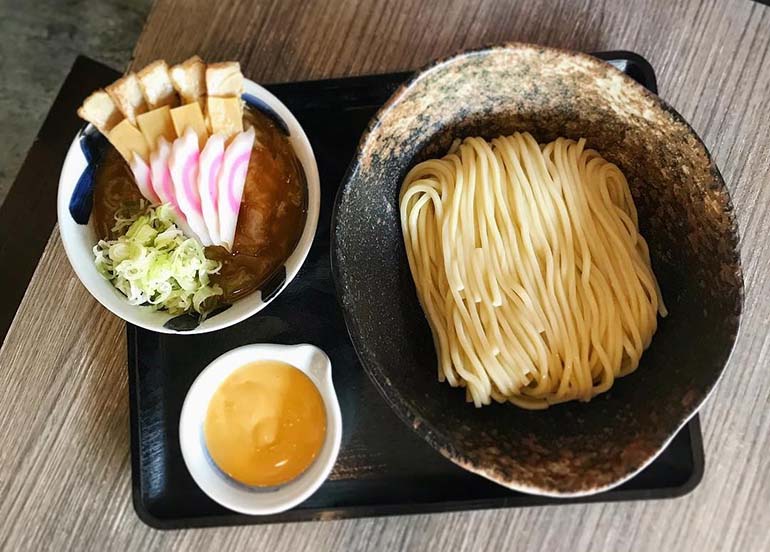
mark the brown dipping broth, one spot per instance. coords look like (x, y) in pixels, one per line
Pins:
(270, 222)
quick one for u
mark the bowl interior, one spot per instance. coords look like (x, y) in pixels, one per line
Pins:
(79, 238)
(685, 214)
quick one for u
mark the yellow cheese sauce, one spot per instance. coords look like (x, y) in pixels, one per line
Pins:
(265, 424)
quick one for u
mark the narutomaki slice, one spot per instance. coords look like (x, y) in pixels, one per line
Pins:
(183, 165)
(143, 179)
(232, 178)
(164, 187)
(210, 166)
(161, 177)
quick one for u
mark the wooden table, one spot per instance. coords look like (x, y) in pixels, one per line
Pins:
(64, 443)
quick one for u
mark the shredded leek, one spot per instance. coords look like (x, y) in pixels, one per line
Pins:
(154, 264)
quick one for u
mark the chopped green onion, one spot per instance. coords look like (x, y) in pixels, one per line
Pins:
(155, 264)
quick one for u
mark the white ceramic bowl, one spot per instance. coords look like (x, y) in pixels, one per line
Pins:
(79, 239)
(227, 492)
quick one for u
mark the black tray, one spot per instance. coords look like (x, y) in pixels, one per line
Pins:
(383, 467)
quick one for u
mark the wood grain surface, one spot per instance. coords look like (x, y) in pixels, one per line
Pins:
(64, 443)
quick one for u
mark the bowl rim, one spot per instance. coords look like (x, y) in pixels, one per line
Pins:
(119, 306)
(395, 400)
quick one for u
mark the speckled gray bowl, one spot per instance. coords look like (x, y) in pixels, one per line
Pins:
(685, 214)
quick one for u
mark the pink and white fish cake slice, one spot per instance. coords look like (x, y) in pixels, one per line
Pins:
(210, 166)
(231, 180)
(183, 166)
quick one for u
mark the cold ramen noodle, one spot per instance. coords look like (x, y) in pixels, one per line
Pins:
(201, 198)
(530, 268)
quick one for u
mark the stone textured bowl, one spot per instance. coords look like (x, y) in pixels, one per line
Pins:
(685, 213)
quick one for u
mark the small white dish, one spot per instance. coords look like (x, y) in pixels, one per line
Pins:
(229, 493)
(79, 239)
